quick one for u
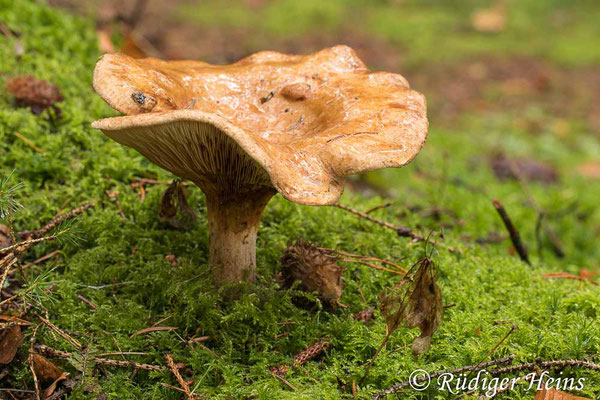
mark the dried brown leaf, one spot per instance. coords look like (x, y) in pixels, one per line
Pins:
(50, 389)
(10, 340)
(590, 170)
(415, 302)
(104, 41)
(174, 201)
(45, 370)
(425, 309)
(131, 47)
(554, 394)
(489, 20)
(317, 270)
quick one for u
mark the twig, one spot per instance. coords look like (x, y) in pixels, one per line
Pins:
(56, 221)
(11, 298)
(25, 244)
(5, 272)
(50, 352)
(36, 384)
(489, 353)
(400, 385)
(573, 363)
(379, 207)
(63, 334)
(29, 142)
(42, 259)
(555, 243)
(374, 266)
(538, 234)
(512, 231)
(115, 197)
(283, 380)
(87, 302)
(123, 353)
(177, 375)
(402, 231)
(145, 181)
(367, 258)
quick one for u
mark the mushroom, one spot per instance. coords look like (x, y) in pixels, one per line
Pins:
(272, 122)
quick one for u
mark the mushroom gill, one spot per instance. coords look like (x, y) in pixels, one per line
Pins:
(272, 122)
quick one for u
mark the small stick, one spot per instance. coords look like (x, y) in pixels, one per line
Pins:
(42, 259)
(56, 221)
(512, 329)
(144, 181)
(178, 376)
(50, 352)
(538, 234)
(512, 231)
(11, 298)
(5, 273)
(367, 258)
(115, 197)
(25, 244)
(374, 266)
(124, 353)
(554, 240)
(29, 143)
(379, 207)
(402, 231)
(87, 302)
(56, 329)
(573, 363)
(36, 384)
(284, 381)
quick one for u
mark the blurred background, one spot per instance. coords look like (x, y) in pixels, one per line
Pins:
(536, 60)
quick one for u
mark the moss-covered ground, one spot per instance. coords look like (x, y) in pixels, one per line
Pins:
(119, 263)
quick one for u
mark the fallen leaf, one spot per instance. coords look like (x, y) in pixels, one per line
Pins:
(590, 170)
(131, 47)
(50, 389)
(10, 340)
(104, 41)
(554, 394)
(316, 269)
(531, 170)
(16, 320)
(416, 302)
(489, 20)
(38, 95)
(174, 201)
(584, 275)
(153, 329)
(45, 370)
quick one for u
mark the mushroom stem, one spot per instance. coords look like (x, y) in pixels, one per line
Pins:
(233, 224)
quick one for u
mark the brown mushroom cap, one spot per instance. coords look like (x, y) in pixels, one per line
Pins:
(300, 124)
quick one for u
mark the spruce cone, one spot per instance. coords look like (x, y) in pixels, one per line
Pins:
(316, 269)
(35, 94)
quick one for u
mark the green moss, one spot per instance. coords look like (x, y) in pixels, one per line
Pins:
(120, 264)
